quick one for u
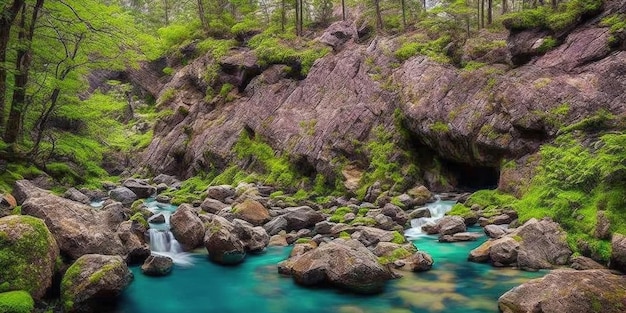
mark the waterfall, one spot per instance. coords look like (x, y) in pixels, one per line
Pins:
(162, 241)
(437, 209)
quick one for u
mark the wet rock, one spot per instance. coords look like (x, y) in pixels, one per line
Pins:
(163, 199)
(464, 236)
(140, 187)
(132, 235)
(418, 262)
(346, 264)
(448, 225)
(77, 228)
(223, 246)
(113, 214)
(187, 227)
(618, 254)
(504, 251)
(220, 193)
(75, 195)
(157, 265)
(28, 253)
(568, 291)
(251, 211)
(123, 195)
(255, 239)
(161, 188)
(157, 219)
(92, 281)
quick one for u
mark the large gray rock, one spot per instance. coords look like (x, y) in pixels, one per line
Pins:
(28, 254)
(212, 206)
(568, 291)
(301, 217)
(223, 246)
(187, 227)
(618, 254)
(140, 187)
(346, 264)
(77, 228)
(448, 225)
(255, 239)
(157, 265)
(24, 189)
(123, 195)
(94, 280)
(543, 245)
(504, 251)
(220, 193)
(132, 235)
(75, 195)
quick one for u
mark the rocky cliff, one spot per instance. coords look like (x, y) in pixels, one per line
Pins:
(469, 121)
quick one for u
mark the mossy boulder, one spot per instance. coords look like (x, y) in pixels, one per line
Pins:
(93, 281)
(27, 255)
(16, 302)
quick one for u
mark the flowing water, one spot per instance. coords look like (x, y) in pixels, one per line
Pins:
(453, 286)
(437, 209)
(162, 241)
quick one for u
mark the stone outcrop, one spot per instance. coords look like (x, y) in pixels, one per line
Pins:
(346, 264)
(157, 265)
(28, 255)
(223, 246)
(123, 195)
(568, 291)
(618, 254)
(251, 211)
(77, 228)
(187, 227)
(93, 281)
(24, 189)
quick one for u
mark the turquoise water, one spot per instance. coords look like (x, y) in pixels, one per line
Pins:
(453, 285)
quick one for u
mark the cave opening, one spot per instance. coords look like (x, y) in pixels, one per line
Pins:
(470, 177)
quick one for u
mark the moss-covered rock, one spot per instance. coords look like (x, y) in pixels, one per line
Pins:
(93, 280)
(27, 255)
(16, 302)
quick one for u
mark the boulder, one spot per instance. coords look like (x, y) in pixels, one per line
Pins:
(301, 217)
(276, 225)
(398, 215)
(157, 265)
(111, 215)
(123, 195)
(28, 253)
(278, 241)
(255, 239)
(448, 225)
(75, 195)
(24, 189)
(493, 231)
(251, 211)
(504, 251)
(419, 213)
(584, 263)
(223, 246)
(568, 291)
(165, 179)
(338, 34)
(163, 199)
(420, 195)
(212, 206)
(370, 236)
(618, 254)
(131, 233)
(140, 187)
(481, 253)
(543, 245)
(418, 262)
(93, 281)
(346, 264)
(187, 227)
(464, 236)
(77, 228)
(7, 204)
(603, 226)
(157, 219)
(220, 193)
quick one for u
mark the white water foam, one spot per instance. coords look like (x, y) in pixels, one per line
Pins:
(438, 210)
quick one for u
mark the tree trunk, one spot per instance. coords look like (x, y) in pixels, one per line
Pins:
(283, 14)
(555, 3)
(301, 17)
(166, 9)
(478, 14)
(504, 7)
(297, 17)
(403, 15)
(22, 67)
(489, 11)
(202, 15)
(6, 21)
(379, 16)
(343, 9)
(482, 13)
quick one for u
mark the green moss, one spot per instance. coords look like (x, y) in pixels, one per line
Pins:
(99, 274)
(303, 240)
(21, 258)
(338, 215)
(139, 218)
(548, 44)
(434, 49)
(486, 198)
(167, 96)
(367, 221)
(460, 210)
(397, 254)
(567, 14)
(600, 120)
(344, 235)
(226, 89)
(398, 238)
(440, 127)
(16, 302)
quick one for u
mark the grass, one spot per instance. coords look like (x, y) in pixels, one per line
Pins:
(567, 14)
(16, 302)
(423, 46)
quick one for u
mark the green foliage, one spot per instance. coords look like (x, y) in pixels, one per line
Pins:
(168, 71)
(615, 22)
(472, 66)
(344, 235)
(226, 89)
(192, 189)
(395, 255)
(460, 210)
(440, 127)
(423, 46)
(14, 172)
(245, 26)
(167, 96)
(338, 215)
(303, 240)
(398, 238)
(16, 302)
(600, 120)
(138, 217)
(567, 14)
(175, 35)
(217, 47)
(548, 44)
(367, 221)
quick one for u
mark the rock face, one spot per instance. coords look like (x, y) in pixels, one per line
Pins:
(187, 227)
(92, 281)
(346, 264)
(28, 253)
(568, 291)
(77, 228)
(157, 265)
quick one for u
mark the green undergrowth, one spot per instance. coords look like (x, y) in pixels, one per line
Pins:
(15, 172)
(16, 302)
(395, 255)
(272, 47)
(567, 14)
(574, 182)
(422, 45)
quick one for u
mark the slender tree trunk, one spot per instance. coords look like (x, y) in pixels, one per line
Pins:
(489, 12)
(343, 9)
(379, 16)
(22, 66)
(202, 15)
(403, 15)
(297, 17)
(504, 7)
(6, 21)
(166, 8)
(482, 13)
(555, 3)
(283, 14)
(301, 17)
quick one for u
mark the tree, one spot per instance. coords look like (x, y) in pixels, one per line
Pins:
(343, 9)
(379, 16)
(6, 22)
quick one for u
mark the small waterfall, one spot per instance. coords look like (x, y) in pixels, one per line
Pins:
(438, 209)
(162, 241)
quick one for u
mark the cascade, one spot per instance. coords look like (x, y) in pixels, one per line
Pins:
(162, 241)
(437, 209)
